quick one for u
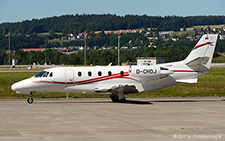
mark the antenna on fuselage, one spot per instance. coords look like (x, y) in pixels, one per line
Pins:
(109, 64)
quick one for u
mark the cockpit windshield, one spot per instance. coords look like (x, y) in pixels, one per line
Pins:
(40, 74)
(44, 74)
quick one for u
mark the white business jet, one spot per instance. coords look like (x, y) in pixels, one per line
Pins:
(117, 81)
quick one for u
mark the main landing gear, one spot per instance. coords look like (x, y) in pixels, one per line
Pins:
(30, 100)
(115, 98)
(118, 95)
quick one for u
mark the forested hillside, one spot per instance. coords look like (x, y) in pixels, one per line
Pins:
(79, 23)
(171, 51)
(148, 43)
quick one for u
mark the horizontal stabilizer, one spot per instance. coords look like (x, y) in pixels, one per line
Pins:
(192, 80)
(198, 61)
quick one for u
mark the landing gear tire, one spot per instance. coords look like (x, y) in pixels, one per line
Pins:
(30, 100)
(115, 98)
(122, 100)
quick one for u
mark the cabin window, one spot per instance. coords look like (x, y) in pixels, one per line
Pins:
(109, 73)
(51, 75)
(122, 73)
(79, 74)
(89, 73)
(99, 73)
(45, 74)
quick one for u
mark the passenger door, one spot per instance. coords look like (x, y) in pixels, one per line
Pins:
(69, 78)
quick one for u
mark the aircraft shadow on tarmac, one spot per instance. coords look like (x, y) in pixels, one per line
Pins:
(182, 100)
(130, 101)
(178, 100)
(137, 102)
(99, 102)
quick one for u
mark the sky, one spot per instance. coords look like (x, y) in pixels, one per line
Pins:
(20, 10)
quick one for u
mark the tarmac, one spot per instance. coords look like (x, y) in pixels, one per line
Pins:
(141, 119)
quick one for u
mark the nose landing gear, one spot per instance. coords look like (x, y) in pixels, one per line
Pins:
(30, 100)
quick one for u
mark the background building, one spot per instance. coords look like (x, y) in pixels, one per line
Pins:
(149, 60)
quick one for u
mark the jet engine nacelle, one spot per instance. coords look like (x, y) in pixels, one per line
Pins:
(147, 72)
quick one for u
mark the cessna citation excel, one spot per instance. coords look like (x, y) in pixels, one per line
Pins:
(117, 81)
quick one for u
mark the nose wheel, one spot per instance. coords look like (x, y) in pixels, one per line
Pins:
(30, 100)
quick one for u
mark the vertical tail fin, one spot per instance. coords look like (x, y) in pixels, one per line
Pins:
(202, 53)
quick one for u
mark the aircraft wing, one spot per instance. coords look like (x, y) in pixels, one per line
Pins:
(191, 80)
(115, 89)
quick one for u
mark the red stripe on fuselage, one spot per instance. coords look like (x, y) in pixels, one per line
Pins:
(183, 70)
(202, 45)
(114, 76)
(118, 75)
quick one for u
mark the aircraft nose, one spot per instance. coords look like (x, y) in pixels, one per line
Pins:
(13, 87)
(16, 86)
